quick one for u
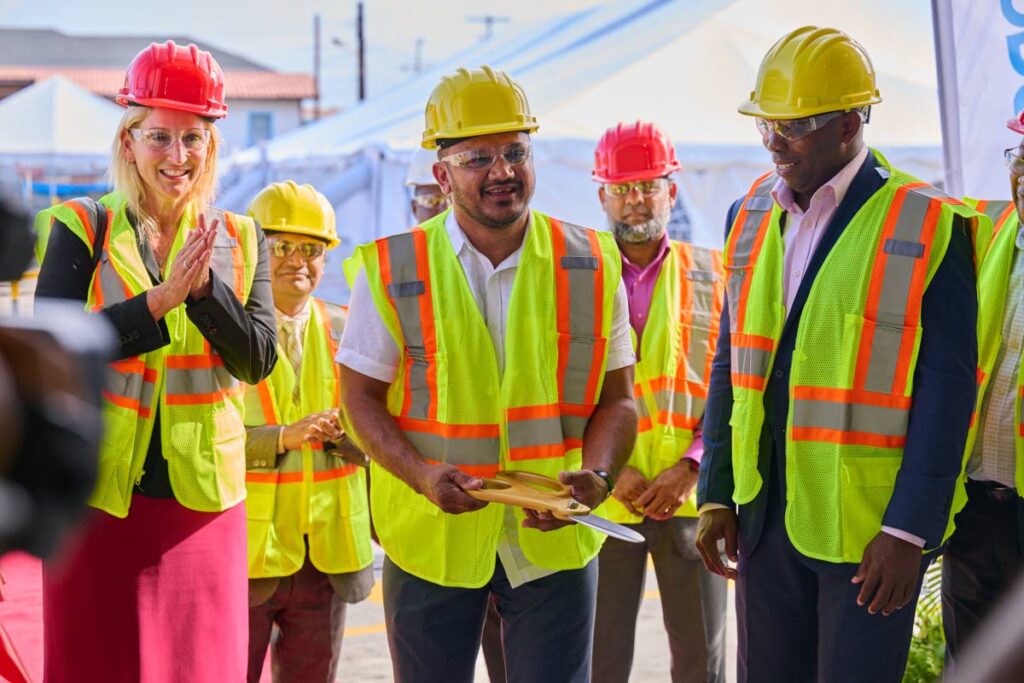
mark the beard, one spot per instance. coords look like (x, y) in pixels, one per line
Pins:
(641, 233)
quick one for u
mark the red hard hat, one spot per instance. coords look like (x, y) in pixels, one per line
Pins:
(634, 151)
(175, 77)
(1016, 124)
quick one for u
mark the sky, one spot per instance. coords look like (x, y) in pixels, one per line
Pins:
(279, 34)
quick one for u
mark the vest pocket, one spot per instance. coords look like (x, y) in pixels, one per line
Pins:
(866, 484)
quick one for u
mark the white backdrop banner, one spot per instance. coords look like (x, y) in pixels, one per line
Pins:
(979, 47)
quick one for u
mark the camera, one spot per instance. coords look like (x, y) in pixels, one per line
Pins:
(51, 371)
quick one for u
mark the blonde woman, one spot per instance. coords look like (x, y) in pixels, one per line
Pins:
(155, 589)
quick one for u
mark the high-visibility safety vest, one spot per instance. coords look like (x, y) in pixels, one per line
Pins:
(672, 374)
(450, 402)
(852, 373)
(993, 293)
(310, 493)
(200, 404)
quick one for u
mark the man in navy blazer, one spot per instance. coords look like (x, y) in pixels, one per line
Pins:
(802, 618)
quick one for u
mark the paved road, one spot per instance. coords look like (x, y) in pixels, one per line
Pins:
(365, 652)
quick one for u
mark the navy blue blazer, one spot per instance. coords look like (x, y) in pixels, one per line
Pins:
(944, 388)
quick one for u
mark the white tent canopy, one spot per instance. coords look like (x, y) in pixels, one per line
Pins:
(56, 117)
(685, 64)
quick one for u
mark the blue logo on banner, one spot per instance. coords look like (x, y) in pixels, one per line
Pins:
(1013, 45)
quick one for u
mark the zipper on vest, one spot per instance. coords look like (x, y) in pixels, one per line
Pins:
(138, 481)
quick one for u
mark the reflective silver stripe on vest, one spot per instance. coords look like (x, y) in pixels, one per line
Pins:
(581, 265)
(748, 360)
(534, 432)
(225, 250)
(679, 404)
(850, 417)
(703, 297)
(900, 265)
(402, 263)
(573, 426)
(198, 381)
(994, 209)
(110, 282)
(757, 206)
(455, 451)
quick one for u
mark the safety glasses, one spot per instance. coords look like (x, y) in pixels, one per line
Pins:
(647, 188)
(1014, 162)
(514, 153)
(283, 248)
(794, 129)
(431, 201)
(194, 139)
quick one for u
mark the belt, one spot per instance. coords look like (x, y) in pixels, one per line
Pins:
(992, 490)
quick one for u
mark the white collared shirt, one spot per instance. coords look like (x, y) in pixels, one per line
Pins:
(368, 348)
(994, 457)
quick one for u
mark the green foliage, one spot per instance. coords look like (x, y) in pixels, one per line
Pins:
(928, 646)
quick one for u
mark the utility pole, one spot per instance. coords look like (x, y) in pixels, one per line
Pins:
(361, 50)
(316, 67)
(417, 58)
(488, 20)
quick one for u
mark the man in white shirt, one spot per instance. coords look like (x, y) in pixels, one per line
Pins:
(490, 337)
(985, 555)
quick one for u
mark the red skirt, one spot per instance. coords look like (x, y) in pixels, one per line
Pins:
(157, 597)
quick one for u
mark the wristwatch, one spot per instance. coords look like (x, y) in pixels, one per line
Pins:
(608, 479)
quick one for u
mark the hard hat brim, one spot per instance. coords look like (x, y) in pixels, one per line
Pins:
(787, 113)
(636, 175)
(430, 140)
(158, 103)
(332, 242)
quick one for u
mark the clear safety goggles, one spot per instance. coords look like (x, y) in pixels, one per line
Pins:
(647, 188)
(283, 248)
(1014, 162)
(431, 201)
(794, 129)
(514, 153)
(194, 139)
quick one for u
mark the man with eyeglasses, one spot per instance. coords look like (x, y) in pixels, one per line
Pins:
(489, 338)
(841, 396)
(675, 292)
(986, 554)
(306, 507)
(427, 198)
(427, 201)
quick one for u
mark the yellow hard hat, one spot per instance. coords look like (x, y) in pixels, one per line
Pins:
(812, 71)
(474, 102)
(298, 209)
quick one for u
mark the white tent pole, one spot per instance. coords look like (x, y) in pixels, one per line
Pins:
(949, 97)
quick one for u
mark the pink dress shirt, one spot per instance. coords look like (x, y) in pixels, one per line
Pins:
(639, 281)
(803, 231)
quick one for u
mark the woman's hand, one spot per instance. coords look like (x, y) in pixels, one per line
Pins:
(201, 283)
(171, 293)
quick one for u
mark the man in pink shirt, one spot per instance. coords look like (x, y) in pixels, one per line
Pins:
(675, 294)
(842, 386)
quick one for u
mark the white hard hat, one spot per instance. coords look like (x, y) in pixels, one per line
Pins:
(421, 168)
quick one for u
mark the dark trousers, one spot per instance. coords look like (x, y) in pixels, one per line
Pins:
(693, 604)
(547, 626)
(981, 562)
(310, 617)
(799, 622)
